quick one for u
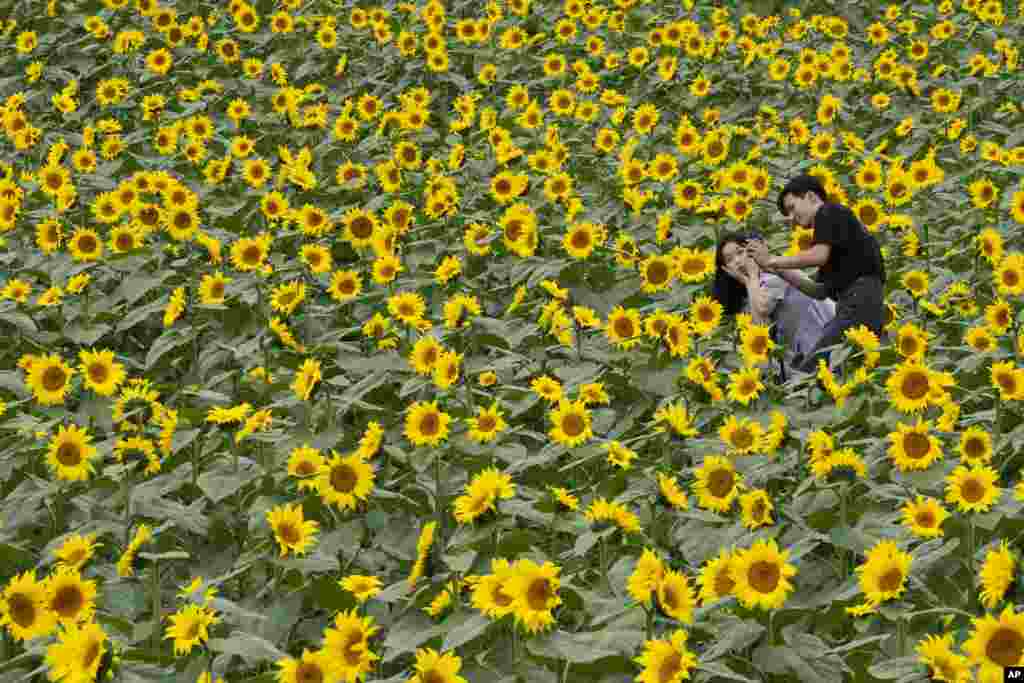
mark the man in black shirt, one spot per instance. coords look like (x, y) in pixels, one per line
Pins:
(849, 261)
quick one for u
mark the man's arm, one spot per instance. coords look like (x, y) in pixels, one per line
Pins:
(816, 256)
(811, 288)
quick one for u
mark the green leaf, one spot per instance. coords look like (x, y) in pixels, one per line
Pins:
(891, 669)
(736, 635)
(721, 671)
(224, 481)
(249, 647)
(581, 648)
(464, 628)
(409, 633)
(166, 342)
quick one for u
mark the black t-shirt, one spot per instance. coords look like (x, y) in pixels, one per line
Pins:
(854, 251)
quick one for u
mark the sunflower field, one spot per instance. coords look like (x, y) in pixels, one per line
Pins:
(351, 342)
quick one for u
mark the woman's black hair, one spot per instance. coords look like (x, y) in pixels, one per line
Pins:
(726, 290)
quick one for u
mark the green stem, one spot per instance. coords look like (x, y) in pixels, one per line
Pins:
(155, 588)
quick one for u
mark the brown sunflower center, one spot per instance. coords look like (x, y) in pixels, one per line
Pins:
(69, 454)
(289, 533)
(308, 672)
(891, 580)
(486, 423)
(362, 227)
(538, 594)
(1005, 647)
(624, 327)
(252, 255)
(925, 519)
(916, 445)
(99, 372)
(972, 490)
(742, 438)
(657, 273)
(720, 482)
(343, 478)
(430, 424)
(67, 601)
(54, 378)
(572, 425)
(915, 385)
(580, 239)
(764, 576)
(87, 244)
(21, 610)
(974, 448)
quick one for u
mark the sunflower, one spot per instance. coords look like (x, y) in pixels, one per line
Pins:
(755, 344)
(487, 424)
(997, 642)
(756, 509)
(71, 599)
(344, 481)
(742, 435)
(624, 327)
(287, 297)
(973, 489)
(490, 592)
(434, 667)
(883, 575)
(250, 253)
(291, 529)
(715, 579)
(347, 645)
(674, 419)
(212, 289)
(923, 517)
(761, 575)
(676, 597)
(911, 341)
(76, 550)
(77, 654)
(361, 586)
(646, 577)
(717, 484)
(705, 315)
(996, 574)
(571, 423)
(913, 448)
(70, 453)
(426, 424)
(506, 186)
(407, 307)
(657, 273)
(745, 385)
(24, 610)
(359, 227)
(580, 240)
(666, 661)
(85, 245)
(910, 386)
(311, 666)
(534, 591)
(345, 285)
(1009, 274)
(672, 493)
(943, 664)
(1009, 380)
(975, 446)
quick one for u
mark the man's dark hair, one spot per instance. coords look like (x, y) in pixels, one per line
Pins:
(799, 186)
(726, 290)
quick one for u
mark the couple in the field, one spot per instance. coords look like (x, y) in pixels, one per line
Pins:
(807, 315)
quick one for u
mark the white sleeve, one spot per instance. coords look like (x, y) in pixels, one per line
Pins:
(774, 286)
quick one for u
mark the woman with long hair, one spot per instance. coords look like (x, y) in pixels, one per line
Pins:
(741, 286)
